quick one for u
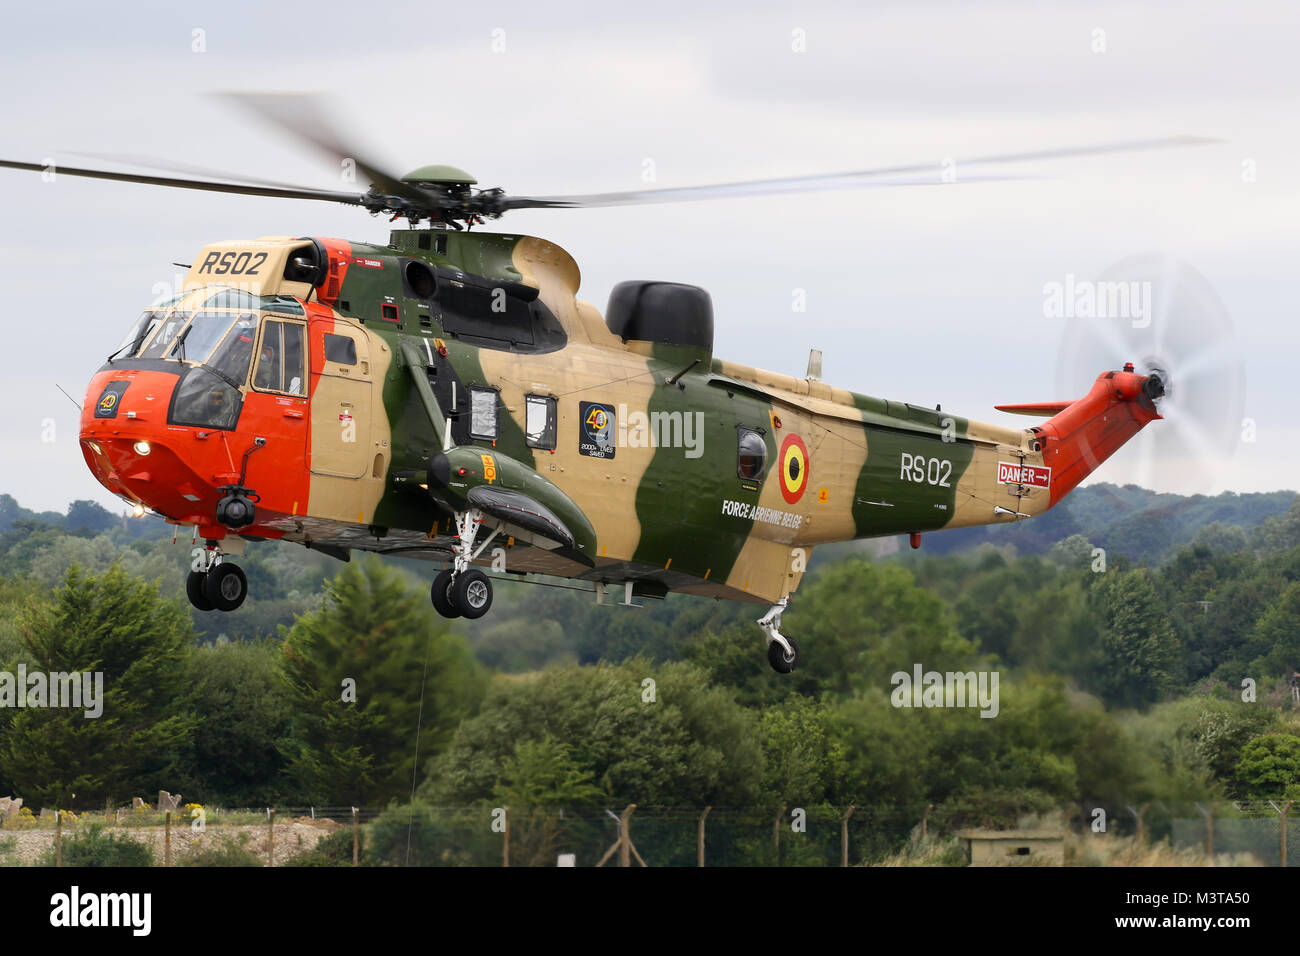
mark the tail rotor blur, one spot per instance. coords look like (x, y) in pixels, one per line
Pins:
(1162, 315)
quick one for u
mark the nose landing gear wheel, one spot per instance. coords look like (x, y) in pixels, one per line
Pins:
(225, 587)
(440, 595)
(472, 593)
(194, 590)
(783, 661)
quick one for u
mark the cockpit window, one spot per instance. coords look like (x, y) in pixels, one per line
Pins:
(196, 342)
(166, 334)
(133, 339)
(235, 353)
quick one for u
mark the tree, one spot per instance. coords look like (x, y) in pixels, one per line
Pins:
(538, 782)
(1275, 643)
(243, 715)
(1270, 767)
(805, 762)
(676, 741)
(1140, 650)
(117, 626)
(870, 621)
(89, 516)
(365, 674)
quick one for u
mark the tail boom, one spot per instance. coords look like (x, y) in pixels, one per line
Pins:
(1077, 439)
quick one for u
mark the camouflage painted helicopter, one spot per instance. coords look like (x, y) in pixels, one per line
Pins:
(448, 397)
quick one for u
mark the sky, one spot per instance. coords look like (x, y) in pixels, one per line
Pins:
(930, 294)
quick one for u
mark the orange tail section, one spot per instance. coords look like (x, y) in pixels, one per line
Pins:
(1081, 435)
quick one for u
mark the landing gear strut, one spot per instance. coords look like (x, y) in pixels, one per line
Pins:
(782, 651)
(219, 586)
(462, 590)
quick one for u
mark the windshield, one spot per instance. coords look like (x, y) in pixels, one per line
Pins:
(204, 331)
(166, 331)
(131, 343)
(167, 327)
(234, 354)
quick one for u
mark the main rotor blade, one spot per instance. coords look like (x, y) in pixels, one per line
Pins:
(301, 114)
(242, 189)
(738, 190)
(912, 175)
(172, 166)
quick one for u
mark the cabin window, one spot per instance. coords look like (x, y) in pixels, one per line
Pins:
(341, 349)
(539, 430)
(752, 455)
(483, 413)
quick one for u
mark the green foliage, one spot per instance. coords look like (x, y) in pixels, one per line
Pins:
(572, 729)
(867, 621)
(542, 773)
(243, 715)
(678, 741)
(117, 625)
(420, 835)
(805, 762)
(374, 640)
(1275, 644)
(1270, 767)
(1140, 651)
(95, 846)
(332, 850)
(225, 850)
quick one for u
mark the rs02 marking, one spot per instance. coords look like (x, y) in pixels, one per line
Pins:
(925, 471)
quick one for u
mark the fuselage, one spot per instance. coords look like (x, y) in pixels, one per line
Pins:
(302, 377)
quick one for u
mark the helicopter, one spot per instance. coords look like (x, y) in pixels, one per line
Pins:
(447, 396)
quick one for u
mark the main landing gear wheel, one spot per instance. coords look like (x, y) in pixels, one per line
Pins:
(472, 593)
(782, 651)
(440, 594)
(783, 661)
(194, 590)
(225, 587)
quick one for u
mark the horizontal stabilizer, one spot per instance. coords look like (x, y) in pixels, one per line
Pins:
(1042, 409)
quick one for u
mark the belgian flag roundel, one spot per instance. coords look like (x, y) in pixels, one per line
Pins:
(794, 468)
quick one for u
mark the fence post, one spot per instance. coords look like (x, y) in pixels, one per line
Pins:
(1285, 810)
(356, 838)
(505, 844)
(1209, 828)
(58, 837)
(167, 839)
(624, 843)
(699, 853)
(270, 843)
(844, 835)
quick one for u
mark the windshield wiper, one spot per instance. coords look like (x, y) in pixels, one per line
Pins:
(179, 348)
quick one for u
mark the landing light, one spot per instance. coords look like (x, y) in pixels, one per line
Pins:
(138, 511)
(94, 446)
(142, 448)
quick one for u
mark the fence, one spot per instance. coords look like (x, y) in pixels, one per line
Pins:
(1242, 832)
